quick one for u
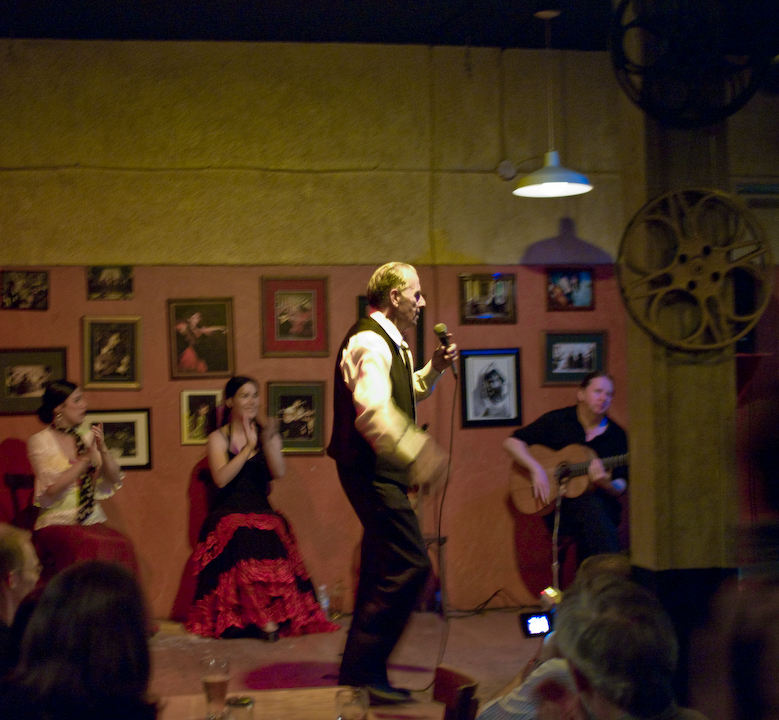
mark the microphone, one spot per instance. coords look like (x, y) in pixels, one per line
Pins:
(440, 331)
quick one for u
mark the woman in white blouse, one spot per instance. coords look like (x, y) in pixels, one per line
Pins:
(72, 471)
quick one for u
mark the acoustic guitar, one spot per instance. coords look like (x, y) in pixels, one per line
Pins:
(567, 468)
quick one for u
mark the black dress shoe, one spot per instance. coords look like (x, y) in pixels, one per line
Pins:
(387, 695)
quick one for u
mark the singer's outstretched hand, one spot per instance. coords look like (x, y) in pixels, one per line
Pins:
(444, 357)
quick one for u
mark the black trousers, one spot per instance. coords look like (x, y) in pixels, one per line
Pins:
(394, 566)
(592, 519)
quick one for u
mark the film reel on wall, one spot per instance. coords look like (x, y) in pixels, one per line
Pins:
(695, 269)
(691, 63)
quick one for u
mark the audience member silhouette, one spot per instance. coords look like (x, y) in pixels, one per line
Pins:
(19, 572)
(84, 653)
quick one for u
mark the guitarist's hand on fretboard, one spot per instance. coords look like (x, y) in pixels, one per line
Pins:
(599, 476)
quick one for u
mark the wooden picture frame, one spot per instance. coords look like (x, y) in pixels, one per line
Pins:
(294, 317)
(24, 289)
(570, 288)
(567, 357)
(112, 353)
(201, 337)
(24, 376)
(127, 435)
(199, 415)
(490, 384)
(300, 411)
(110, 282)
(487, 299)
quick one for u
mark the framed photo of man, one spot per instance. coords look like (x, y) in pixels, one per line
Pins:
(568, 356)
(112, 353)
(491, 390)
(201, 337)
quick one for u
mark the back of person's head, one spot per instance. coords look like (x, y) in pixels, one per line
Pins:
(87, 638)
(386, 278)
(617, 636)
(56, 392)
(12, 541)
(736, 655)
(607, 564)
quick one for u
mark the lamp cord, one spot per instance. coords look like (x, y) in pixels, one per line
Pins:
(549, 93)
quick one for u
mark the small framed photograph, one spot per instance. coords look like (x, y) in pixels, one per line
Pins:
(567, 356)
(25, 289)
(110, 282)
(300, 410)
(294, 317)
(127, 435)
(491, 390)
(487, 299)
(201, 337)
(570, 289)
(25, 374)
(199, 415)
(112, 353)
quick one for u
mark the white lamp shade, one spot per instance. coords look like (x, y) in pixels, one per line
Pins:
(552, 180)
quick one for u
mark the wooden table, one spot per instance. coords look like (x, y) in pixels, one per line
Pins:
(296, 704)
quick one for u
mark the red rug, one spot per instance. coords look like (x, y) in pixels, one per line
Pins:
(292, 674)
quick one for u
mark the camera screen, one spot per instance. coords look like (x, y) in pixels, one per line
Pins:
(535, 624)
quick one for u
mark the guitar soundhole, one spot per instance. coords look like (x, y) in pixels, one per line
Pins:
(563, 472)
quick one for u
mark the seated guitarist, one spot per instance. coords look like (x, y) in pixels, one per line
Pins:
(592, 518)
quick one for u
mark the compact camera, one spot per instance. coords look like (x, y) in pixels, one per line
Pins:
(535, 624)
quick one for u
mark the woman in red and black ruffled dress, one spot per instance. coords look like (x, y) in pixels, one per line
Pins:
(251, 577)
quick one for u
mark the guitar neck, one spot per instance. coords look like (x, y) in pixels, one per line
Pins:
(609, 463)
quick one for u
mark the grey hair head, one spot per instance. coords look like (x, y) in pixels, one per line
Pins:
(390, 276)
(618, 636)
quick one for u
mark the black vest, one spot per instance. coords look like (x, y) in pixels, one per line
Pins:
(347, 446)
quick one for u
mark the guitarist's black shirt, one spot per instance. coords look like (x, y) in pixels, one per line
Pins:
(592, 518)
(559, 428)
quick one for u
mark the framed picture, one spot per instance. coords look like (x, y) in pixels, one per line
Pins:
(567, 356)
(294, 317)
(198, 415)
(487, 299)
(300, 410)
(127, 435)
(201, 337)
(25, 374)
(112, 353)
(570, 289)
(25, 289)
(491, 391)
(419, 349)
(110, 282)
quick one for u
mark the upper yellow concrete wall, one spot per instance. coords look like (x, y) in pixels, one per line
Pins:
(231, 153)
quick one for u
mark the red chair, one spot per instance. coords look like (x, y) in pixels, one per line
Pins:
(201, 494)
(457, 691)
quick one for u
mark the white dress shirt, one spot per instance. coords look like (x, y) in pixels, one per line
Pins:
(365, 367)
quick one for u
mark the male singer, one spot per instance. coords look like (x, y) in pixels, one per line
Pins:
(380, 453)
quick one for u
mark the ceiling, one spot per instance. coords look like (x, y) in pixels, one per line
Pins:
(583, 24)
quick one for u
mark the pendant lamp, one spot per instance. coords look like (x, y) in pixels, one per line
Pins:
(552, 180)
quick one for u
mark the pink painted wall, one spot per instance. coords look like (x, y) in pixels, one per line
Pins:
(477, 517)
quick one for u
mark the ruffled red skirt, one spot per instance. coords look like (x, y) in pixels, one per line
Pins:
(250, 572)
